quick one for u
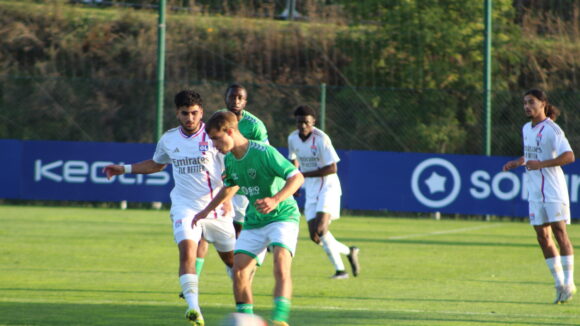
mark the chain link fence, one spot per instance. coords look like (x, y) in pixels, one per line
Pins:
(434, 121)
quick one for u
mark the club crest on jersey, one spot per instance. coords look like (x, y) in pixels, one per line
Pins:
(539, 137)
(313, 149)
(203, 146)
(252, 173)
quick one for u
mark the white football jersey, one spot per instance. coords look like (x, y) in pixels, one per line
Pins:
(545, 141)
(312, 154)
(197, 168)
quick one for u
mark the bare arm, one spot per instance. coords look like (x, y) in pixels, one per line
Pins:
(513, 164)
(268, 204)
(323, 171)
(225, 194)
(295, 162)
(143, 167)
(563, 159)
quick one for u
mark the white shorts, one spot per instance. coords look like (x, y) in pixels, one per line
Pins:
(240, 203)
(542, 213)
(219, 231)
(324, 201)
(253, 242)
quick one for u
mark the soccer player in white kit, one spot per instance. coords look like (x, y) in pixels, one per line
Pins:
(197, 168)
(546, 149)
(310, 149)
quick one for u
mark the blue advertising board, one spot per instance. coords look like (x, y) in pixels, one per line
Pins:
(405, 182)
(59, 170)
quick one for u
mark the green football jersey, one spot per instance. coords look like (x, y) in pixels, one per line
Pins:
(261, 173)
(251, 127)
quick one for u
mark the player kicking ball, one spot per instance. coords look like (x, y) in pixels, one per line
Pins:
(311, 149)
(268, 180)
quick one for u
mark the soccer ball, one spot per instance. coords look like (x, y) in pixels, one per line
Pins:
(239, 319)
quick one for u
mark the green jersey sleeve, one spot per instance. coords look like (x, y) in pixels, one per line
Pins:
(278, 164)
(252, 127)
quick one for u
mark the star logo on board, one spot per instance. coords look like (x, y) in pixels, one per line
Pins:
(436, 183)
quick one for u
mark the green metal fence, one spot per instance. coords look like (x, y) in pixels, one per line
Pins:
(436, 121)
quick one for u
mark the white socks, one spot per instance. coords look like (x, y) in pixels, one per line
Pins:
(568, 268)
(333, 249)
(188, 284)
(338, 245)
(555, 267)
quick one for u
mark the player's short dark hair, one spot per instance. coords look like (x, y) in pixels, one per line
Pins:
(220, 121)
(234, 86)
(304, 110)
(187, 98)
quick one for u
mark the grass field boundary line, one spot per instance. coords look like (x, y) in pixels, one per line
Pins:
(418, 235)
(297, 307)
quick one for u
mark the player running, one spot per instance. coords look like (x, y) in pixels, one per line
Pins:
(311, 149)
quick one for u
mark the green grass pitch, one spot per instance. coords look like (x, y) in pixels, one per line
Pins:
(81, 266)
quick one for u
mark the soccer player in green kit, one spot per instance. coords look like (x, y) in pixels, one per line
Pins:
(252, 128)
(268, 180)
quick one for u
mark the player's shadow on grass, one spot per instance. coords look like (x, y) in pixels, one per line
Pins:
(53, 314)
(423, 299)
(86, 291)
(441, 243)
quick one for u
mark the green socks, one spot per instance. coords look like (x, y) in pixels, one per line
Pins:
(245, 308)
(199, 265)
(281, 309)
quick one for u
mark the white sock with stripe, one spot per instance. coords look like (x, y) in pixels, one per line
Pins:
(568, 268)
(555, 267)
(332, 251)
(343, 249)
(188, 284)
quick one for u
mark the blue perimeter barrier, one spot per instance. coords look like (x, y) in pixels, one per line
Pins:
(393, 181)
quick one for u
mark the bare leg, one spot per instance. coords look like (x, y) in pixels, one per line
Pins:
(283, 288)
(318, 226)
(561, 235)
(544, 236)
(202, 248)
(243, 270)
(282, 272)
(187, 255)
(227, 257)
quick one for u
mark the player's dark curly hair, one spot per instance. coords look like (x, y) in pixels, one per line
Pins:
(304, 110)
(187, 98)
(551, 111)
